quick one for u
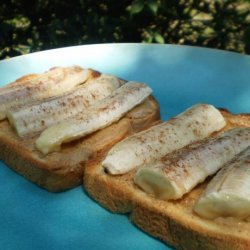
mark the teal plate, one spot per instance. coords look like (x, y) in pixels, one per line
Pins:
(180, 76)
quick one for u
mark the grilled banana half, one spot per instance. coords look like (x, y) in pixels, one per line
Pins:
(98, 116)
(178, 173)
(228, 193)
(51, 83)
(194, 124)
(37, 116)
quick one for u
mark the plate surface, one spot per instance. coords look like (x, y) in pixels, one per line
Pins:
(180, 76)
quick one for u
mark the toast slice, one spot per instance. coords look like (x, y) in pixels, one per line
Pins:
(173, 222)
(62, 170)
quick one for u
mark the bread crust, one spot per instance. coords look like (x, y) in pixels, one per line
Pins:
(173, 222)
(62, 170)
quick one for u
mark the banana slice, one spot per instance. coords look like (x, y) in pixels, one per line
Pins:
(54, 82)
(179, 172)
(228, 193)
(100, 115)
(36, 117)
(194, 124)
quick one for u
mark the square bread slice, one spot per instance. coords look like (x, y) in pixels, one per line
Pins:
(173, 222)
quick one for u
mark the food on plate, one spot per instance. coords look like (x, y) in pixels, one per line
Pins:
(184, 181)
(179, 172)
(195, 123)
(98, 116)
(179, 222)
(228, 193)
(116, 108)
(37, 116)
(55, 81)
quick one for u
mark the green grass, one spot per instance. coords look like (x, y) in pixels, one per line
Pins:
(26, 27)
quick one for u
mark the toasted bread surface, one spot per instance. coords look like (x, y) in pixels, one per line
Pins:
(64, 169)
(174, 222)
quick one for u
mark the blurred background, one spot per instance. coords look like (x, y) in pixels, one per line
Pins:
(27, 26)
